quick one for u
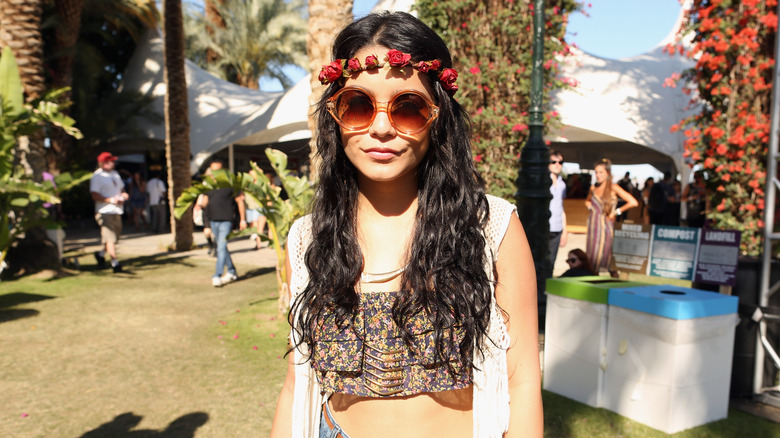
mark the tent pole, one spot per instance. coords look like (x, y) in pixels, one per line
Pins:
(231, 159)
(773, 156)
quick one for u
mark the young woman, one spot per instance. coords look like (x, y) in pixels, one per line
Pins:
(413, 293)
(601, 203)
(578, 264)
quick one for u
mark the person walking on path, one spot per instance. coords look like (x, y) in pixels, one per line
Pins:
(558, 233)
(107, 190)
(219, 209)
(602, 207)
(156, 191)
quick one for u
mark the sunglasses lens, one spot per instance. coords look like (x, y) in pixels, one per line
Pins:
(410, 112)
(354, 109)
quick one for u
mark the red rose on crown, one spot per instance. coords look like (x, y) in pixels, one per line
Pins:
(447, 77)
(396, 58)
(353, 65)
(424, 66)
(372, 62)
(435, 64)
(330, 72)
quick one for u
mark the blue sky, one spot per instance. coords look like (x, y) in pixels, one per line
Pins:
(611, 28)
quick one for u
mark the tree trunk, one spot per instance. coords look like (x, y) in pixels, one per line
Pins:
(177, 125)
(326, 19)
(65, 38)
(20, 29)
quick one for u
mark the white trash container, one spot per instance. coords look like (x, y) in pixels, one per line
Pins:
(669, 353)
(575, 336)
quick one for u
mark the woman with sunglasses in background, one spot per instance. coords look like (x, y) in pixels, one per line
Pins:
(578, 264)
(413, 295)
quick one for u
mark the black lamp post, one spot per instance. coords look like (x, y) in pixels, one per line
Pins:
(533, 181)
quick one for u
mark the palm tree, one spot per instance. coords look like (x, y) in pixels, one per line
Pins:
(177, 124)
(131, 16)
(326, 19)
(20, 29)
(258, 38)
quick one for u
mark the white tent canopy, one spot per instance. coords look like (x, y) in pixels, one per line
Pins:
(621, 109)
(220, 113)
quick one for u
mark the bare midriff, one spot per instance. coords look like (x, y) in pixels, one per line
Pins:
(429, 414)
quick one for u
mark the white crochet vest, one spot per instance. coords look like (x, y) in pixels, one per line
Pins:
(491, 386)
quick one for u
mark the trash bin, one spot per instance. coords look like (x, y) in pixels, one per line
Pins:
(575, 336)
(669, 351)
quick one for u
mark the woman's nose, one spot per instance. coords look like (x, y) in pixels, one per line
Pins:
(381, 125)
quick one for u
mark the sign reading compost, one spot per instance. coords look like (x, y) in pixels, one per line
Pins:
(674, 251)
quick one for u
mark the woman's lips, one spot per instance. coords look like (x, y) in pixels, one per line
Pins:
(381, 154)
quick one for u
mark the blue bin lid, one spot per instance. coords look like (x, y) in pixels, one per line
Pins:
(673, 302)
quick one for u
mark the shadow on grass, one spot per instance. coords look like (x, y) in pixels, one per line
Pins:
(16, 298)
(122, 427)
(14, 314)
(256, 273)
(132, 265)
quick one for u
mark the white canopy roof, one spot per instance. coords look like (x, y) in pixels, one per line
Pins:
(220, 113)
(621, 110)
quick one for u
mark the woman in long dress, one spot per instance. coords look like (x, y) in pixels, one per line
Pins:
(413, 292)
(602, 203)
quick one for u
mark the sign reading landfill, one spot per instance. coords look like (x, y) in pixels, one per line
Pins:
(718, 256)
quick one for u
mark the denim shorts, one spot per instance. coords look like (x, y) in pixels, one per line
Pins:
(325, 430)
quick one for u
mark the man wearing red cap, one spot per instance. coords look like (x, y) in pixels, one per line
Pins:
(109, 195)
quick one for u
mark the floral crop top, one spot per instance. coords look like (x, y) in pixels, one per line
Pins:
(369, 358)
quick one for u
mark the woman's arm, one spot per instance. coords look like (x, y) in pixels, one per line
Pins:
(631, 202)
(516, 295)
(282, 426)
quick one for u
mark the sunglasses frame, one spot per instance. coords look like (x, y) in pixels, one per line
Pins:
(556, 162)
(572, 260)
(330, 105)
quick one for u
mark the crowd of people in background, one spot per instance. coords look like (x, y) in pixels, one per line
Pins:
(123, 196)
(665, 201)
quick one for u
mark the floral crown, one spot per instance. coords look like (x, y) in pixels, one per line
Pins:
(395, 58)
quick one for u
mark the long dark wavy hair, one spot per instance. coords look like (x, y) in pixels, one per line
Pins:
(445, 278)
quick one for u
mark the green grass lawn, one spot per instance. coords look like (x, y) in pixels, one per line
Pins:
(158, 350)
